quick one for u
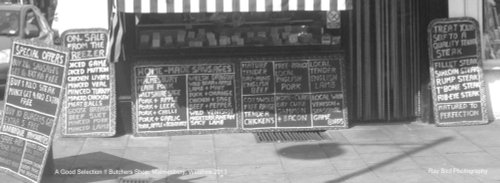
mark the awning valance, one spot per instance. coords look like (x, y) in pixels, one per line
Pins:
(210, 6)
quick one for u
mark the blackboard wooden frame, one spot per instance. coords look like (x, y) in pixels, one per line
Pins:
(236, 61)
(477, 55)
(335, 57)
(52, 48)
(112, 85)
(145, 63)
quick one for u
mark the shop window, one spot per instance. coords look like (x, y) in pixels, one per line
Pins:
(164, 31)
(491, 30)
(9, 23)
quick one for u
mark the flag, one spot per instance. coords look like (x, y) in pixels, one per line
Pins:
(115, 36)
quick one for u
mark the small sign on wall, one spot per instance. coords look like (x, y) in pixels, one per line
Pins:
(333, 19)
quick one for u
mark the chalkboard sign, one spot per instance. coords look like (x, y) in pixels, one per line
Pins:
(296, 94)
(33, 97)
(89, 105)
(171, 98)
(458, 87)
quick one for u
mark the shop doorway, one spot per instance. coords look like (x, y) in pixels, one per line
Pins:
(389, 63)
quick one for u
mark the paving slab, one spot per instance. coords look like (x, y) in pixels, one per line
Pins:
(300, 153)
(433, 133)
(367, 126)
(490, 126)
(144, 166)
(416, 149)
(376, 147)
(52, 179)
(234, 140)
(147, 154)
(348, 164)
(405, 139)
(429, 163)
(64, 163)
(172, 175)
(281, 178)
(8, 178)
(154, 169)
(177, 161)
(64, 147)
(339, 151)
(91, 179)
(495, 123)
(148, 141)
(255, 170)
(199, 144)
(455, 146)
(367, 135)
(455, 178)
(492, 175)
(100, 153)
(406, 176)
(389, 162)
(337, 137)
(97, 165)
(86, 174)
(401, 134)
(310, 177)
(493, 151)
(63, 151)
(193, 178)
(63, 140)
(184, 138)
(476, 160)
(307, 166)
(482, 136)
(108, 142)
(357, 176)
(396, 130)
(262, 154)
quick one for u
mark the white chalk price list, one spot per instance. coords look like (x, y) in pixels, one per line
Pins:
(161, 103)
(257, 80)
(308, 93)
(33, 96)
(458, 87)
(185, 97)
(457, 80)
(211, 101)
(88, 94)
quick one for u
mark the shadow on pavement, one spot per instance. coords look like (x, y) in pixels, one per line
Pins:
(304, 151)
(176, 178)
(390, 160)
(95, 166)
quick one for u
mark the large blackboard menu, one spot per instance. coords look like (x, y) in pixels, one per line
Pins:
(32, 103)
(89, 105)
(171, 98)
(306, 93)
(458, 88)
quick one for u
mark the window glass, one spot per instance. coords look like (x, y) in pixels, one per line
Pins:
(491, 29)
(9, 23)
(236, 29)
(32, 28)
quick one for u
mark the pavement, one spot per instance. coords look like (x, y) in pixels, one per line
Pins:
(375, 153)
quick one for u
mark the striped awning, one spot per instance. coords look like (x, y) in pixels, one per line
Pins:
(211, 6)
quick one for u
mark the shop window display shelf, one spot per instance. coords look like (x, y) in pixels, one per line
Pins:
(236, 51)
